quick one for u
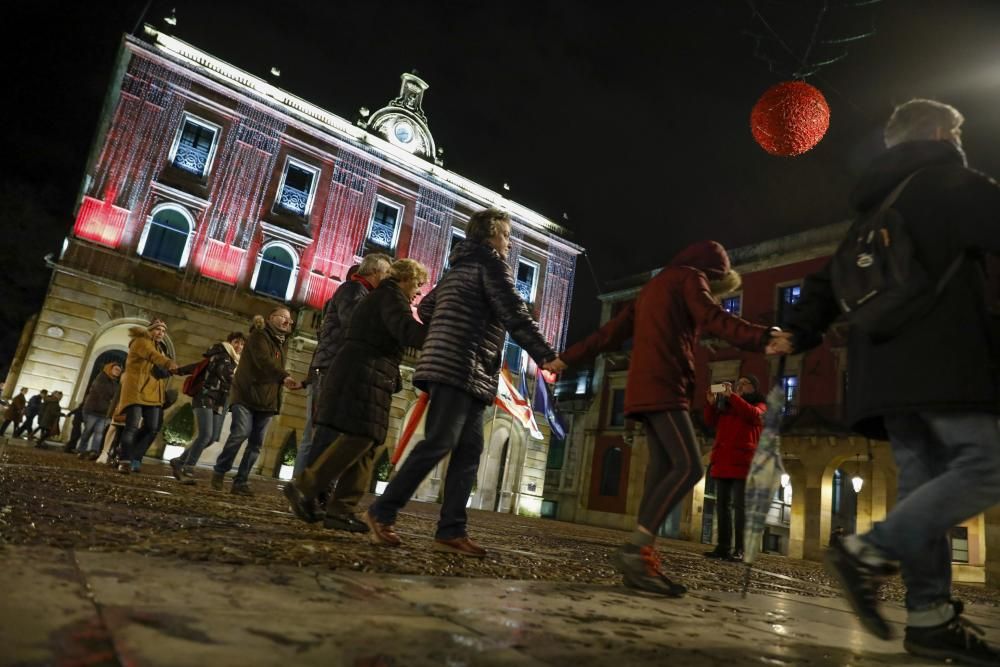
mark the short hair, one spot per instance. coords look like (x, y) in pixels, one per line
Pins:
(351, 271)
(404, 269)
(44, 391)
(370, 264)
(918, 120)
(236, 335)
(279, 308)
(483, 224)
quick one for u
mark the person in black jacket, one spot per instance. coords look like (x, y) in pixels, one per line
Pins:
(95, 408)
(940, 414)
(30, 412)
(357, 395)
(468, 314)
(336, 318)
(209, 404)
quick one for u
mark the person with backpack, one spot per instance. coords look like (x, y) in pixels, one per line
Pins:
(208, 384)
(96, 404)
(921, 369)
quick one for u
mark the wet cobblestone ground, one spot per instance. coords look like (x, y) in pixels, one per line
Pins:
(53, 499)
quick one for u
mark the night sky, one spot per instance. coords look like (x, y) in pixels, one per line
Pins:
(630, 117)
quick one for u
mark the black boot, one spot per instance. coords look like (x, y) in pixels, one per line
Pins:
(955, 640)
(860, 581)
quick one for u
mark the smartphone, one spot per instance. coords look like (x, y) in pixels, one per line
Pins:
(717, 388)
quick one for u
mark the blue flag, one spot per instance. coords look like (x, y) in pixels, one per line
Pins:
(543, 403)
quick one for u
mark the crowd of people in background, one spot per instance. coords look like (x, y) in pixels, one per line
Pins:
(944, 431)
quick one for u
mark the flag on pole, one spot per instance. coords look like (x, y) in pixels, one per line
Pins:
(545, 405)
(411, 425)
(511, 401)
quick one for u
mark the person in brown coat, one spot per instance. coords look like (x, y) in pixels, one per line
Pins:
(143, 392)
(664, 321)
(15, 411)
(255, 396)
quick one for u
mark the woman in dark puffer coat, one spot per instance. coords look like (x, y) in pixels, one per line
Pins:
(356, 395)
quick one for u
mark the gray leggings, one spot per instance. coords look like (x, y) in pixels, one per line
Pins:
(674, 465)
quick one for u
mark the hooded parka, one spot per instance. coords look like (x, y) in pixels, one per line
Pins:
(139, 385)
(945, 360)
(664, 321)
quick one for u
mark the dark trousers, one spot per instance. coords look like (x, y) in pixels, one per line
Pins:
(349, 460)
(3, 427)
(454, 426)
(674, 465)
(142, 423)
(75, 432)
(29, 417)
(729, 504)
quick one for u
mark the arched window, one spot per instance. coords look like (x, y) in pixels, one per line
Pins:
(611, 471)
(275, 272)
(165, 238)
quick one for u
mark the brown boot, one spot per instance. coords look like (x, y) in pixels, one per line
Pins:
(217, 480)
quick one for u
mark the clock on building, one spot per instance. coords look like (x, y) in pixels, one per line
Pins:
(403, 132)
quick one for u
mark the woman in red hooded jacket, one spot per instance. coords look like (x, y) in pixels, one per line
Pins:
(664, 322)
(737, 417)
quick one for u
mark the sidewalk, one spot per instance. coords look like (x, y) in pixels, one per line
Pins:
(87, 608)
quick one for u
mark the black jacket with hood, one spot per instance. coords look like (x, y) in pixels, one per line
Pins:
(944, 361)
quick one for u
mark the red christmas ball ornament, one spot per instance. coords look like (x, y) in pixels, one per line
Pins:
(790, 118)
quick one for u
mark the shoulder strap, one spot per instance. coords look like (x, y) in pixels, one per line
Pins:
(894, 195)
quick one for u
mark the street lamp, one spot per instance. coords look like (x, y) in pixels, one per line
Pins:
(857, 482)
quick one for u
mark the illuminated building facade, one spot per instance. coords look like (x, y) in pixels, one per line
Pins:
(210, 195)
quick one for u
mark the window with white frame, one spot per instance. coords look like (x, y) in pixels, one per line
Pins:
(526, 279)
(167, 235)
(456, 236)
(298, 185)
(194, 146)
(275, 271)
(732, 304)
(383, 230)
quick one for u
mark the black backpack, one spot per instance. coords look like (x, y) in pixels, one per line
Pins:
(878, 281)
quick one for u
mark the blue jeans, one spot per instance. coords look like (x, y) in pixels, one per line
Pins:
(142, 423)
(304, 454)
(209, 429)
(247, 426)
(949, 471)
(94, 426)
(454, 426)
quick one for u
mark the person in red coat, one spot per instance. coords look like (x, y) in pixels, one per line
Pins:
(737, 417)
(664, 322)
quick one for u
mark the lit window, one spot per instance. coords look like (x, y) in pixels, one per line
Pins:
(165, 239)
(527, 277)
(959, 544)
(733, 304)
(456, 236)
(384, 228)
(274, 272)
(790, 384)
(787, 297)
(297, 186)
(195, 146)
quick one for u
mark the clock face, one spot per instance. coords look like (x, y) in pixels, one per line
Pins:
(403, 132)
